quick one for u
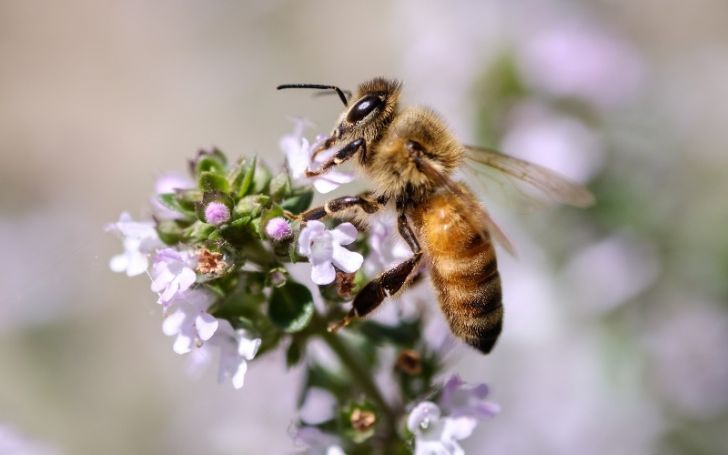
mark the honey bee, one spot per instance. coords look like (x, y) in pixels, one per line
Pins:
(410, 155)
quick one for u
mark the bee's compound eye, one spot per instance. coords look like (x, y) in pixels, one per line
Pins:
(363, 108)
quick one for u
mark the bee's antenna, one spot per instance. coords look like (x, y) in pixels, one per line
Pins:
(341, 93)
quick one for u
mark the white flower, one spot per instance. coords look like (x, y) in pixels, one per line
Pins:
(324, 250)
(190, 320)
(237, 347)
(172, 273)
(299, 153)
(140, 239)
(437, 435)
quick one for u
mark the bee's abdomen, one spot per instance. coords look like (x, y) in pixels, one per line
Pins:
(464, 271)
(470, 295)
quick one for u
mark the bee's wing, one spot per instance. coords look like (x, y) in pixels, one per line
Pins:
(483, 224)
(550, 183)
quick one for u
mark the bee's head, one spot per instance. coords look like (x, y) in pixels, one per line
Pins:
(369, 113)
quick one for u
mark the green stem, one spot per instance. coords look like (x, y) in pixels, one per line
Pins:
(352, 362)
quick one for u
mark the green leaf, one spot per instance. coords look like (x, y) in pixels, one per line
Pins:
(212, 181)
(294, 353)
(176, 202)
(261, 179)
(247, 179)
(213, 161)
(280, 185)
(169, 231)
(291, 306)
(252, 205)
(299, 201)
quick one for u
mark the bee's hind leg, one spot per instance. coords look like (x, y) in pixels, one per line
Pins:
(386, 284)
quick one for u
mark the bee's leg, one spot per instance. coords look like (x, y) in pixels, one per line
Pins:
(364, 201)
(344, 154)
(386, 284)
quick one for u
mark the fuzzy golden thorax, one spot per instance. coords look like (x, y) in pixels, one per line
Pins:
(416, 149)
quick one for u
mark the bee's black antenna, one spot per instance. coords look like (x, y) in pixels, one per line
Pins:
(341, 93)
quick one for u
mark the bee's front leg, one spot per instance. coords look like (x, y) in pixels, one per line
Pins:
(342, 155)
(364, 201)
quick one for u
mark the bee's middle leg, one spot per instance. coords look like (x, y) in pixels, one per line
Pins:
(388, 283)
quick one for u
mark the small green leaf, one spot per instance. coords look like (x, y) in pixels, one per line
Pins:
(299, 201)
(280, 185)
(169, 231)
(252, 205)
(247, 179)
(261, 179)
(210, 161)
(291, 306)
(212, 181)
(175, 201)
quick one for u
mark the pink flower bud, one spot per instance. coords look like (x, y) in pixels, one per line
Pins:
(217, 213)
(278, 229)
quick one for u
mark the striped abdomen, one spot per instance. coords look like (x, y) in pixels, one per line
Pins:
(463, 268)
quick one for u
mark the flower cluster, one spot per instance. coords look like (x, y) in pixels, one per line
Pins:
(217, 250)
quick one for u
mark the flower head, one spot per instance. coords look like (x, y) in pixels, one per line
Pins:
(299, 156)
(237, 347)
(140, 239)
(190, 321)
(217, 213)
(173, 273)
(435, 434)
(462, 399)
(324, 250)
(278, 229)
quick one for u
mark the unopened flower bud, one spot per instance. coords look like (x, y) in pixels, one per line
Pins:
(278, 229)
(217, 213)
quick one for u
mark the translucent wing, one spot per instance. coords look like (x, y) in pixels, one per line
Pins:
(474, 213)
(553, 185)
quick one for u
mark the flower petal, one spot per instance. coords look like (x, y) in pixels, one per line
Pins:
(248, 348)
(206, 326)
(172, 324)
(239, 375)
(348, 261)
(183, 344)
(345, 233)
(118, 263)
(323, 273)
(457, 428)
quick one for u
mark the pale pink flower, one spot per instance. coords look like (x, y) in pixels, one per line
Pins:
(173, 273)
(237, 348)
(190, 321)
(324, 250)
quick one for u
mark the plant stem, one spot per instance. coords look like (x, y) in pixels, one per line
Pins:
(353, 363)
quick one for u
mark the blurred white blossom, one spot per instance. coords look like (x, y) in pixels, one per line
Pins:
(579, 59)
(140, 240)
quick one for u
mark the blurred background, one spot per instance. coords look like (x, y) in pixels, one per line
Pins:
(616, 316)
